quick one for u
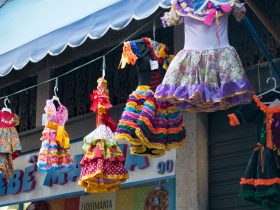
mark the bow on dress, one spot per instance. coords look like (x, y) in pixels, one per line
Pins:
(62, 136)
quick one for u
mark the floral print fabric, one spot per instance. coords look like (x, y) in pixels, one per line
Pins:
(207, 80)
(10, 146)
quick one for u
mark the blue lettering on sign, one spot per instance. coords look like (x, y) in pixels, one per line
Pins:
(28, 178)
(61, 178)
(3, 185)
(133, 161)
(55, 177)
(14, 184)
(74, 174)
(22, 181)
(164, 167)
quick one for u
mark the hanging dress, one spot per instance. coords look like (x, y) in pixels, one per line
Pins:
(10, 146)
(261, 181)
(150, 126)
(207, 75)
(103, 162)
(55, 149)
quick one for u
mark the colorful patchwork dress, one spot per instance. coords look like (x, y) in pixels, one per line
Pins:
(55, 150)
(150, 126)
(103, 162)
(207, 75)
(261, 181)
(10, 146)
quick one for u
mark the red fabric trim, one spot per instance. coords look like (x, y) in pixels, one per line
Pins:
(257, 182)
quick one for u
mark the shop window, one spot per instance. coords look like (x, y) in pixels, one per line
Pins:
(75, 88)
(24, 103)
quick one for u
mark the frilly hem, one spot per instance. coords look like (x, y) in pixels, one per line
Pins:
(202, 98)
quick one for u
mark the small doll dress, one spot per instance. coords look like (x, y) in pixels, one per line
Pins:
(207, 75)
(151, 127)
(55, 149)
(103, 162)
(10, 146)
(261, 181)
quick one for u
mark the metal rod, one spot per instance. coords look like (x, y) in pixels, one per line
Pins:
(263, 48)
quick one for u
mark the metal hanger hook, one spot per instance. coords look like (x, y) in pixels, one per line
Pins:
(103, 66)
(55, 90)
(5, 102)
(274, 82)
(154, 30)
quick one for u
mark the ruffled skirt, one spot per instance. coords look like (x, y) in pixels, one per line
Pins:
(52, 156)
(10, 149)
(6, 165)
(151, 127)
(103, 162)
(205, 81)
(261, 181)
(101, 175)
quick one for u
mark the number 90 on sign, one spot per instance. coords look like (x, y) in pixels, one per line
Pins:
(165, 167)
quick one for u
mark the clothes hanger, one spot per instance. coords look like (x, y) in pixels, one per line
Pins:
(6, 108)
(273, 89)
(154, 32)
(55, 90)
(158, 186)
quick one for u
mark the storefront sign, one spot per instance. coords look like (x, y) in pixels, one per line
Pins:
(28, 184)
(98, 201)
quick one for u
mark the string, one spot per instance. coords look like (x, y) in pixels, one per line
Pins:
(78, 67)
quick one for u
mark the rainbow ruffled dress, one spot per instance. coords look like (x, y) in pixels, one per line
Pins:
(103, 162)
(261, 181)
(55, 149)
(207, 75)
(10, 146)
(150, 126)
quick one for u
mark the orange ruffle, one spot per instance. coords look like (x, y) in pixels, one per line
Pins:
(128, 56)
(257, 182)
(126, 123)
(269, 118)
(233, 120)
(265, 108)
(160, 130)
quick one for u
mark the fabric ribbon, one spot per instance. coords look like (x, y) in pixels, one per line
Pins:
(62, 136)
(128, 56)
(98, 99)
(213, 12)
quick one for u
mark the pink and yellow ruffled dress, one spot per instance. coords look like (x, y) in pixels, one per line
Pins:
(103, 162)
(207, 75)
(55, 149)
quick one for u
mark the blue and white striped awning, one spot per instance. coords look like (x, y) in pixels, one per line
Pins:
(31, 29)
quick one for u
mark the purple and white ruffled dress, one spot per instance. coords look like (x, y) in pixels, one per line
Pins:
(207, 75)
